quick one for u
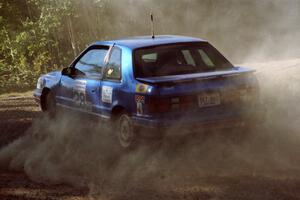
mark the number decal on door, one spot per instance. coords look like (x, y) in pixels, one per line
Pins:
(79, 93)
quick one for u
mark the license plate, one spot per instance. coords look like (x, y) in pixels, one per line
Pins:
(209, 99)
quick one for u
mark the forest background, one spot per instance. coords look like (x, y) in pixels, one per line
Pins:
(38, 36)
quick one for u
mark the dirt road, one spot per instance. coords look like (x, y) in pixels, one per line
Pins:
(17, 112)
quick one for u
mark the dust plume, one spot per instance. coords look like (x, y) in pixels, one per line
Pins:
(243, 30)
(85, 153)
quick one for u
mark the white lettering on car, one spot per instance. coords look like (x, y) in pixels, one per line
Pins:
(106, 96)
(139, 109)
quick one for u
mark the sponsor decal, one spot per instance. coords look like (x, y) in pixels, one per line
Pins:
(141, 88)
(139, 99)
(79, 93)
(106, 96)
(139, 109)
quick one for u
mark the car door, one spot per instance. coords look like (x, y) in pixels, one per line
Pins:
(111, 81)
(82, 86)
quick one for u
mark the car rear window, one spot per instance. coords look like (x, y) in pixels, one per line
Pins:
(176, 59)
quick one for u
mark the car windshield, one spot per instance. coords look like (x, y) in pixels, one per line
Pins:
(177, 59)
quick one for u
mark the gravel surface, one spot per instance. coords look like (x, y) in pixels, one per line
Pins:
(17, 112)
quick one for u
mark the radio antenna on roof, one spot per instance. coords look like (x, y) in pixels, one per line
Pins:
(152, 25)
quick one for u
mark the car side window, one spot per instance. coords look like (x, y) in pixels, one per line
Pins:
(92, 62)
(188, 57)
(113, 68)
(205, 58)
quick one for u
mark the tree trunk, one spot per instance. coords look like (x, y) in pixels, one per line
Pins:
(10, 45)
(71, 35)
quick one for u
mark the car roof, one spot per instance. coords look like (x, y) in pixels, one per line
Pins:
(146, 41)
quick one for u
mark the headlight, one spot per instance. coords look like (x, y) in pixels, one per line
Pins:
(40, 83)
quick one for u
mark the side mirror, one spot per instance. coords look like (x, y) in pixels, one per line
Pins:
(71, 72)
(66, 71)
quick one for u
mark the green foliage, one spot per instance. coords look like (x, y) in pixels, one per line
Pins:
(30, 45)
(38, 36)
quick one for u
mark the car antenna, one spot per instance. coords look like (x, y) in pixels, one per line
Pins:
(152, 25)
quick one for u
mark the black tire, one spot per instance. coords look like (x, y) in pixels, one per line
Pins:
(125, 132)
(50, 104)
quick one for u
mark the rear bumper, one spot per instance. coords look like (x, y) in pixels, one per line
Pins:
(154, 127)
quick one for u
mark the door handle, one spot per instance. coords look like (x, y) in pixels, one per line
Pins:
(93, 90)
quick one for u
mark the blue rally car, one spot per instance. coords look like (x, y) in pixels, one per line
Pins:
(153, 83)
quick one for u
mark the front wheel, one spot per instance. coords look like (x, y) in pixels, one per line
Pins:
(125, 131)
(49, 104)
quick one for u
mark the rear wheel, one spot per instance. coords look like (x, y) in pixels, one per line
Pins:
(125, 131)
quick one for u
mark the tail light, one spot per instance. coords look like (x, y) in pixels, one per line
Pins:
(187, 102)
(159, 105)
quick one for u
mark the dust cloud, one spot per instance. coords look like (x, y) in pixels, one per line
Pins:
(243, 30)
(85, 153)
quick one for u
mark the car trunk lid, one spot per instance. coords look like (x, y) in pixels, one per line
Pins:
(209, 90)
